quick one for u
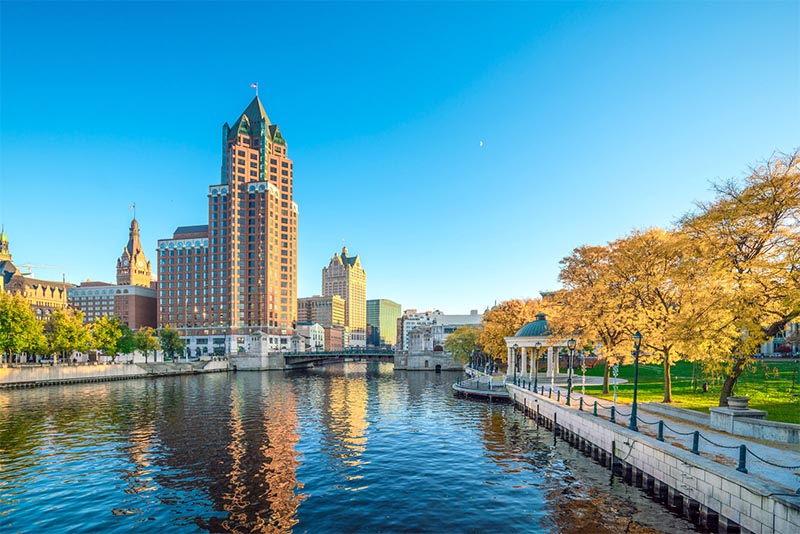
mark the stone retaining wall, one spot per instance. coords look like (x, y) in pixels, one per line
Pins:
(42, 375)
(688, 481)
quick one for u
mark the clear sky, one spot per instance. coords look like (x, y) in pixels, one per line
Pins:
(462, 149)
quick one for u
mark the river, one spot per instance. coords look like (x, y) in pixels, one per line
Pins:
(349, 448)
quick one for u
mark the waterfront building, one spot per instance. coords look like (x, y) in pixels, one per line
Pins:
(382, 316)
(786, 343)
(326, 311)
(411, 320)
(334, 337)
(311, 336)
(237, 275)
(344, 276)
(44, 296)
(132, 299)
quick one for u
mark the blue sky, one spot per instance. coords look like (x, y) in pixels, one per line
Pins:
(596, 118)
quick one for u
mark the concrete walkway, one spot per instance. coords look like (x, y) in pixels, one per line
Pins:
(714, 445)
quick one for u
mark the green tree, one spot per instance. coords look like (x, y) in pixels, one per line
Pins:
(66, 333)
(126, 343)
(106, 332)
(145, 340)
(20, 330)
(463, 341)
(171, 341)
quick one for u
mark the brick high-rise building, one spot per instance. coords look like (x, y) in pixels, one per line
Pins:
(345, 277)
(221, 282)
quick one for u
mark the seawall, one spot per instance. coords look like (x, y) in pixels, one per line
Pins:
(711, 494)
(44, 375)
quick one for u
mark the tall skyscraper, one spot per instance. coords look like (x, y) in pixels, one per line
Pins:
(345, 277)
(237, 274)
(382, 316)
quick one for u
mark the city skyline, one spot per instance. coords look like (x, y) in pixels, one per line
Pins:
(462, 169)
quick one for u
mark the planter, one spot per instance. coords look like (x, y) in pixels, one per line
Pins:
(738, 403)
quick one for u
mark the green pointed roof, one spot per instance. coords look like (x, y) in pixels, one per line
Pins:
(252, 116)
(537, 328)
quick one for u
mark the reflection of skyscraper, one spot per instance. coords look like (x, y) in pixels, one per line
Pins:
(346, 419)
(259, 486)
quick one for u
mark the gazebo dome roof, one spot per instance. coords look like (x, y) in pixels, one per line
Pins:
(537, 328)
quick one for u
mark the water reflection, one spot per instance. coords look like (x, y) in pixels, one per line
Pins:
(269, 453)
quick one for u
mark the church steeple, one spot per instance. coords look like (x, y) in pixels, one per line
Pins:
(5, 255)
(132, 266)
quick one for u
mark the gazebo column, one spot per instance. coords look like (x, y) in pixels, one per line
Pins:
(552, 370)
(511, 360)
(532, 369)
(523, 355)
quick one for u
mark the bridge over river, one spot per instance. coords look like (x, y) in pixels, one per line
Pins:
(430, 361)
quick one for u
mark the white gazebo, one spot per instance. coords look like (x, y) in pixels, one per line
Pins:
(528, 345)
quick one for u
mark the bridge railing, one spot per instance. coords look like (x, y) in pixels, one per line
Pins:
(345, 352)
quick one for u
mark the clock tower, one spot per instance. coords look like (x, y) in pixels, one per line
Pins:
(133, 267)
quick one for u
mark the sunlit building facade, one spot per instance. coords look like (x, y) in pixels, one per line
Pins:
(382, 316)
(344, 276)
(236, 275)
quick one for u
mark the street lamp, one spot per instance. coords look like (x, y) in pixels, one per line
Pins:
(536, 366)
(515, 347)
(637, 343)
(571, 346)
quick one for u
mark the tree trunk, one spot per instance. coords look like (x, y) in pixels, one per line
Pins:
(606, 374)
(730, 380)
(667, 380)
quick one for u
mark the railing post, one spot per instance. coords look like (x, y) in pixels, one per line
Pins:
(613, 414)
(696, 442)
(550, 393)
(558, 395)
(594, 412)
(580, 404)
(542, 391)
(742, 459)
(660, 430)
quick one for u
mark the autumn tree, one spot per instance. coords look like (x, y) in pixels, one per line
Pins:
(20, 330)
(145, 340)
(66, 333)
(503, 321)
(752, 233)
(171, 341)
(591, 306)
(106, 333)
(463, 341)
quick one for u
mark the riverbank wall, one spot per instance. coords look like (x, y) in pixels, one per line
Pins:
(43, 375)
(716, 496)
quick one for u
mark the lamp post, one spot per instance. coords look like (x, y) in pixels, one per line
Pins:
(515, 347)
(571, 346)
(637, 343)
(536, 366)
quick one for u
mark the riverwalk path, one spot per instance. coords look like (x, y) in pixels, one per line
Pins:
(774, 463)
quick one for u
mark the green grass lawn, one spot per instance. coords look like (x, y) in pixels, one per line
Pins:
(769, 385)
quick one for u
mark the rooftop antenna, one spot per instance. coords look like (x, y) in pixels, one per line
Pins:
(254, 86)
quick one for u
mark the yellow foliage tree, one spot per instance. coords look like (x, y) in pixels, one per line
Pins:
(504, 320)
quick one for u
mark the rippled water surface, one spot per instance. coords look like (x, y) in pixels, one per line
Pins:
(351, 448)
